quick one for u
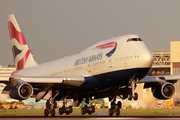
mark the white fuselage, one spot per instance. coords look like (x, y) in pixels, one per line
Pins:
(94, 61)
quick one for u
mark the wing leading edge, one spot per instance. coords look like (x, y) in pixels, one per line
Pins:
(75, 80)
(160, 78)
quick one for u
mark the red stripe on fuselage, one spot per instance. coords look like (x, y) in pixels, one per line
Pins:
(16, 34)
(107, 45)
(22, 62)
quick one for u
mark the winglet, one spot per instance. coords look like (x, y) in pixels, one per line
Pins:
(21, 52)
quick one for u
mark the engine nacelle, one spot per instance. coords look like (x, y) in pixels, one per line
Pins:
(21, 92)
(165, 91)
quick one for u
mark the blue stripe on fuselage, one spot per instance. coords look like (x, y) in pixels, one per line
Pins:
(111, 52)
(111, 79)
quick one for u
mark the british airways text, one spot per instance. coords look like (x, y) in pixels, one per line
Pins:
(88, 59)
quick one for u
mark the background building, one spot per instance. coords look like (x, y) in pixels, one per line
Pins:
(5, 71)
(175, 57)
(161, 62)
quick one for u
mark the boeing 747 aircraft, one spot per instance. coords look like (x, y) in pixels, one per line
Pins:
(109, 68)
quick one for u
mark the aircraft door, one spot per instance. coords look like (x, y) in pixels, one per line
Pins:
(110, 64)
(125, 63)
(89, 68)
(65, 69)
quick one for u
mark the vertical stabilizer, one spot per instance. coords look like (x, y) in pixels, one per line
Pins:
(21, 52)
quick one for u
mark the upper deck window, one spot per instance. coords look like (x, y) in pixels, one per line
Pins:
(134, 39)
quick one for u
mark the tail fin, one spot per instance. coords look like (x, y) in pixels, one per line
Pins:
(21, 53)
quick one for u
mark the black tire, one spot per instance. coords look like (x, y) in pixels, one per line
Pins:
(130, 97)
(55, 104)
(135, 96)
(48, 105)
(113, 105)
(89, 112)
(93, 109)
(63, 109)
(46, 112)
(82, 111)
(111, 112)
(60, 111)
(53, 112)
(67, 112)
(86, 109)
(117, 112)
(70, 109)
(119, 104)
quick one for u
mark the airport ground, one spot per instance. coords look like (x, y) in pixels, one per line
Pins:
(99, 112)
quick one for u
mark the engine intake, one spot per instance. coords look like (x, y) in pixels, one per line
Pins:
(165, 91)
(21, 92)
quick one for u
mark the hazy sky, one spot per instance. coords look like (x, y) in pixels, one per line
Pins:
(58, 28)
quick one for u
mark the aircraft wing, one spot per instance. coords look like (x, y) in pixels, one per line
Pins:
(160, 79)
(40, 84)
(162, 86)
(65, 80)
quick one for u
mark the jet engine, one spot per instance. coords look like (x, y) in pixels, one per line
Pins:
(164, 91)
(21, 91)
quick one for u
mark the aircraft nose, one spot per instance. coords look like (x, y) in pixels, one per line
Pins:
(147, 58)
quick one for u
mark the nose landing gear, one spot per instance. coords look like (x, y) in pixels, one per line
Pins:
(132, 94)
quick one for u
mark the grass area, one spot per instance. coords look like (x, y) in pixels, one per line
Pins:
(99, 112)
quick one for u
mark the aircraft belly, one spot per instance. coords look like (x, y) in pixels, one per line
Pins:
(111, 79)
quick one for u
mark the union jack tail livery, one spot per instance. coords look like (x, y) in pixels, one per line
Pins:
(21, 53)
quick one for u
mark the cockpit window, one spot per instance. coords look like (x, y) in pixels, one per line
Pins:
(134, 39)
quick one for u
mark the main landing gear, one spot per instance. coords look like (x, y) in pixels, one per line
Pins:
(50, 108)
(87, 109)
(128, 93)
(65, 109)
(115, 108)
